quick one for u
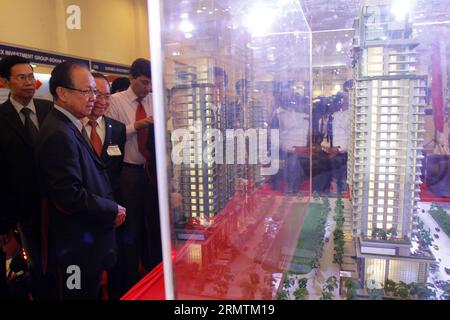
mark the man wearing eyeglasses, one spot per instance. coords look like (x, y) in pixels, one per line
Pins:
(21, 117)
(81, 208)
(139, 238)
(107, 135)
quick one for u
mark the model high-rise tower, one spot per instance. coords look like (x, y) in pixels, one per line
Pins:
(385, 157)
(202, 82)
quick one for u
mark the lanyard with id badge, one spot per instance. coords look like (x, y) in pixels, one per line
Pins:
(113, 150)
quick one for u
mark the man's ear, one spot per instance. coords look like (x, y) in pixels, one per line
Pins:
(61, 94)
(4, 83)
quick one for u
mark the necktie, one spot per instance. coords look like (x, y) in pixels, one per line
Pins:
(96, 142)
(30, 127)
(142, 134)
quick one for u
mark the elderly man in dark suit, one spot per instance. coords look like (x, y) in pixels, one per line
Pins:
(81, 207)
(108, 137)
(21, 117)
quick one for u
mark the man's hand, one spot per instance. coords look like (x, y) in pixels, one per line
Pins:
(143, 123)
(332, 151)
(120, 217)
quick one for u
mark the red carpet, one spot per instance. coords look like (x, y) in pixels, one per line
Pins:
(151, 287)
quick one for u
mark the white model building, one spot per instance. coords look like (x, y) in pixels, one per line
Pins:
(386, 153)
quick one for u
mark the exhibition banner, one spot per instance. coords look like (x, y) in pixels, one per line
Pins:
(109, 68)
(38, 57)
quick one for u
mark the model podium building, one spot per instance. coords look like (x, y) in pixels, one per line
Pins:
(386, 153)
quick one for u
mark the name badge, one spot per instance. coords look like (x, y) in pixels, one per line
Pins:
(113, 151)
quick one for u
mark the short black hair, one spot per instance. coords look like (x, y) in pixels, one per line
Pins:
(120, 84)
(241, 83)
(10, 61)
(61, 75)
(219, 72)
(99, 75)
(281, 86)
(141, 67)
(348, 85)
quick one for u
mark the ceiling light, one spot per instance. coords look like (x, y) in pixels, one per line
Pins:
(186, 26)
(259, 20)
(401, 9)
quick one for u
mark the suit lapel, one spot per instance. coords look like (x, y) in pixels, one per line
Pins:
(14, 121)
(87, 144)
(80, 137)
(41, 111)
(108, 136)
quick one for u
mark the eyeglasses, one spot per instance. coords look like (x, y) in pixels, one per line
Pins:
(24, 77)
(105, 96)
(85, 92)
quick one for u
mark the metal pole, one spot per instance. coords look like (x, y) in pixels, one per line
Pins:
(157, 63)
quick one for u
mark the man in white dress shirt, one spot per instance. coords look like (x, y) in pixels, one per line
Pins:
(294, 132)
(133, 107)
(340, 135)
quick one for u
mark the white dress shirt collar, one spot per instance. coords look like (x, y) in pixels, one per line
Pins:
(86, 120)
(18, 106)
(71, 117)
(129, 93)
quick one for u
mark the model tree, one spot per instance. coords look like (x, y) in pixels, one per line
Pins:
(446, 290)
(392, 233)
(301, 292)
(351, 285)
(425, 239)
(327, 291)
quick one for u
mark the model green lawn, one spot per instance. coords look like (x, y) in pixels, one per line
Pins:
(310, 243)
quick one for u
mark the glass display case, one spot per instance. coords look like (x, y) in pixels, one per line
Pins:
(302, 145)
(304, 152)
(237, 90)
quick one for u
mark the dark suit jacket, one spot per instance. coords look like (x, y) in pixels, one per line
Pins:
(80, 198)
(115, 135)
(19, 191)
(151, 162)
